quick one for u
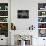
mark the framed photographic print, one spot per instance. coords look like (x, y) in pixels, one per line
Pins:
(22, 14)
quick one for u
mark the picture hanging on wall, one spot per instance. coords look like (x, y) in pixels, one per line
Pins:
(22, 14)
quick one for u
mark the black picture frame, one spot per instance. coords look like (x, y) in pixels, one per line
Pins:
(22, 14)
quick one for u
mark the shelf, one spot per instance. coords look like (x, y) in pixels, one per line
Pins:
(3, 22)
(41, 28)
(42, 19)
(3, 10)
(4, 19)
(41, 22)
(41, 10)
(42, 16)
(3, 16)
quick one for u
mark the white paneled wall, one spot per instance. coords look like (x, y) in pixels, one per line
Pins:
(32, 6)
(12, 37)
(22, 25)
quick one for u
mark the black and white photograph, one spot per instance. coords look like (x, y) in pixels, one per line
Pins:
(23, 14)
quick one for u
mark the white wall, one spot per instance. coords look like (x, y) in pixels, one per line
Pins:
(32, 6)
(23, 24)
